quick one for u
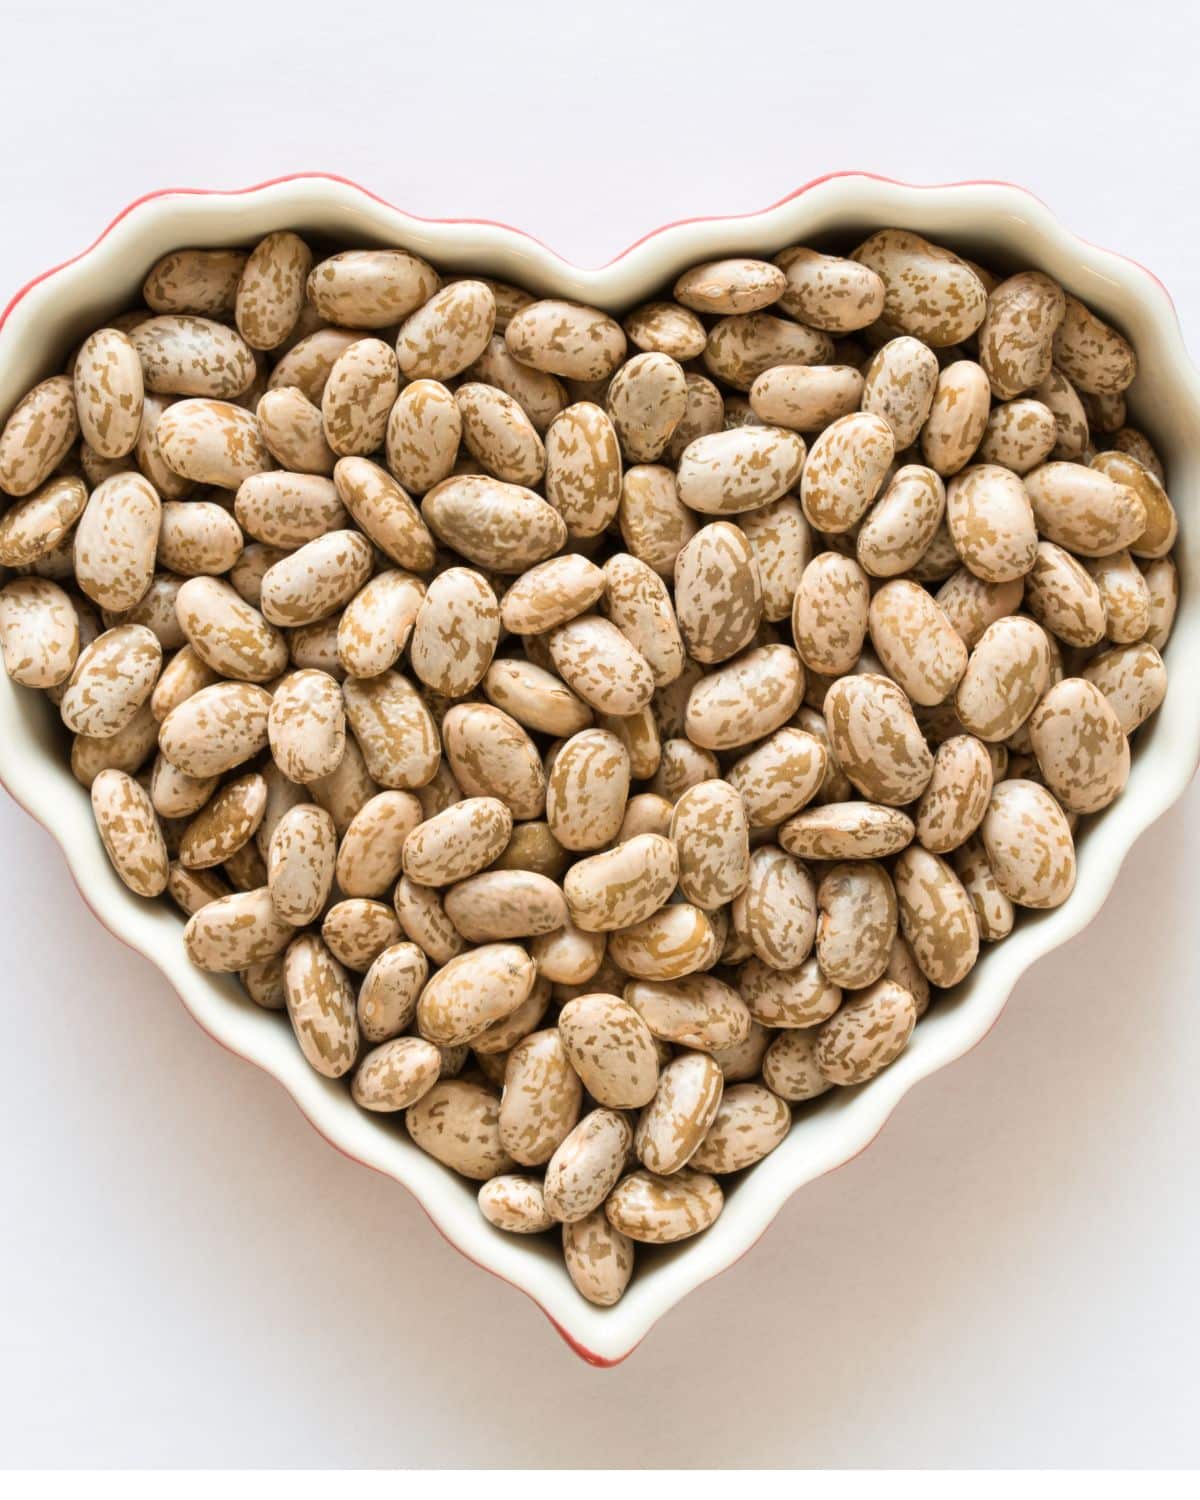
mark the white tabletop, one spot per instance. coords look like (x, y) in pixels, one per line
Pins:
(1008, 1277)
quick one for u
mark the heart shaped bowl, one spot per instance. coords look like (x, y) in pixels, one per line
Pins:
(998, 223)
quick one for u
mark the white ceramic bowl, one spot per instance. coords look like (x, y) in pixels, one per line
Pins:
(1002, 225)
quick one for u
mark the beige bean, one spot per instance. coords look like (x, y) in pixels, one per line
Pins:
(370, 288)
(130, 832)
(515, 1204)
(126, 750)
(718, 592)
(1029, 844)
(499, 435)
(899, 386)
(611, 1049)
(830, 614)
(174, 793)
(780, 776)
(270, 292)
(447, 333)
(781, 541)
(397, 734)
(1084, 510)
(806, 398)
(826, 291)
(396, 1074)
(698, 1011)
(424, 920)
(847, 830)
(586, 1164)
(370, 856)
(458, 1123)
(1124, 595)
(599, 1258)
(492, 756)
(294, 432)
(33, 528)
(675, 941)
(357, 400)
(846, 469)
(746, 699)
(226, 824)
(203, 282)
(655, 524)
(599, 664)
(1008, 671)
(307, 363)
(662, 1210)
(316, 579)
(916, 642)
(216, 729)
(542, 396)
(458, 842)
(109, 393)
(376, 624)
(928, 291)
(937, 916)
(856, 925)
(957, 418)
(1064, 598)
(666, 328)
(566, 339)
(711, 835)
(1133, 679)
(212, 442)
(646, 401)
(674, 1123)
(300, 863)
(1162, 524)
(868, 1032)
(954, 802)
(1019, 435)
(115, 541)
(501, 904)
(387, 1000)
(1091, 354)
(899, 527)
(776, 912)
(730, 286)
(231, 933)
(749, 1123)
(623, 886)
(184, 355)
(306, 725)
(541, 1100)
(423, 435)
(587, 790)
(992, 522)
(798, 997)
(496, 525)
(356, 931)
(111, 679)
(789, 1068)
(875, 739)
(1080, 745)
(473, 990)
(739, 470)
(383, 510)
(456, 631)
(971, 604)
(583, 468)
(994, 912)
(197, 538)
(1016, 339)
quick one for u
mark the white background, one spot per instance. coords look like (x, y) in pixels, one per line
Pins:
(1008, 1277)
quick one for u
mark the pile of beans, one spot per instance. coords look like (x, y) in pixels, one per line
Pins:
(601, 737)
